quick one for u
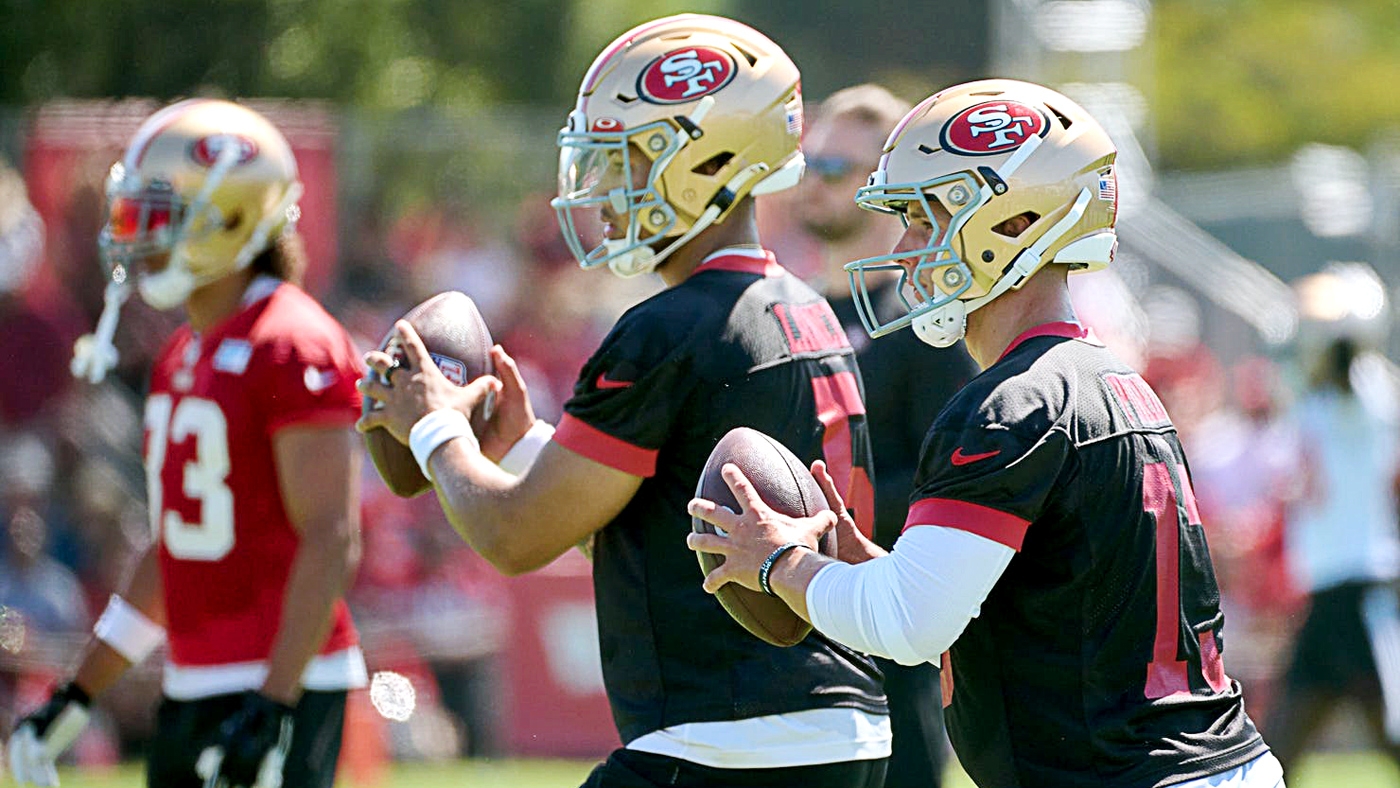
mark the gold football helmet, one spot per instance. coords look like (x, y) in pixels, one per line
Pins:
(986, 152)
(209, 182)
(677, 121)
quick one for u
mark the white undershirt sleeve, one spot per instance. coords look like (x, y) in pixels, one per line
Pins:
(911, 605)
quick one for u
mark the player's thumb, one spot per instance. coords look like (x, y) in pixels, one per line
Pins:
(477, 392)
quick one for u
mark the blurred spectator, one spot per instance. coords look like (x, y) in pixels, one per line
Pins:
(45, 592)
(28, 329)
(1342, 537)
(1243, 469)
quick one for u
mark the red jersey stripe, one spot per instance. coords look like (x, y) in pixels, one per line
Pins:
(582, 438)
(1007, 529)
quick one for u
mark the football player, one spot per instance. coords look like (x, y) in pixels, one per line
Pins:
(680, 124)
(1341, 536)
(1052, 558)
(252, 468)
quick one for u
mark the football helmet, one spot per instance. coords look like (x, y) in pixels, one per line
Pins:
(209, 182)
(986, 152)
(677, 121)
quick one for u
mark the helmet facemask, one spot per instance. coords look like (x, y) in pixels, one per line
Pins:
(150, 218)
(598, 177)
(938, 275)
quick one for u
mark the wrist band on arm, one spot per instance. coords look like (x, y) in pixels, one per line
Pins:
(522, 455)
(128, 631)
(766, 568)
(435, 429)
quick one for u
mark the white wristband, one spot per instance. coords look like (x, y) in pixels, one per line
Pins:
(435, 429)
(522, 455)
(128, 631)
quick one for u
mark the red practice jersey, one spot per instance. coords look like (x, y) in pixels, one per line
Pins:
(217, 399)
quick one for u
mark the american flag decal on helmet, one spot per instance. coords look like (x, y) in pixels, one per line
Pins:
(1108, 186)
(793, 109)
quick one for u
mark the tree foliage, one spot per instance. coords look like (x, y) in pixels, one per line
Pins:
(1249, 81)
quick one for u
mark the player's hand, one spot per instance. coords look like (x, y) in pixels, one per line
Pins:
(753, 533)
(251, 746)
(512, 417)
(852, 546)
(409, 389)
(45, 734)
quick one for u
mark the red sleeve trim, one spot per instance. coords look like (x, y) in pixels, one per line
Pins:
(1007, 529)
(582, 438)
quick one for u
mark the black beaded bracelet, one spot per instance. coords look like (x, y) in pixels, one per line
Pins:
(766, 567)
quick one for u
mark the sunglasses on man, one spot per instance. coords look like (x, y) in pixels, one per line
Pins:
(832, 169)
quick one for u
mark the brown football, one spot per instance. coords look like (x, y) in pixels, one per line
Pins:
(454, 333)
(788, 487)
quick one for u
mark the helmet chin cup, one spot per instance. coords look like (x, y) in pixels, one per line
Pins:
(944, 326)
(627, 263)
(167, 289)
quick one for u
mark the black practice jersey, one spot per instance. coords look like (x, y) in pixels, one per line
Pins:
(907, 383)
(738, 343)
(1096, 658)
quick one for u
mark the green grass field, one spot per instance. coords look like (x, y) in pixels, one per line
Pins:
(1324, 770)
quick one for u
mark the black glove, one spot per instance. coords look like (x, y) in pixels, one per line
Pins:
(251, 746)
(46, 733)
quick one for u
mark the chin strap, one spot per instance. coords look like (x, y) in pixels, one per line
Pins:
(94, 355)
(630, 267)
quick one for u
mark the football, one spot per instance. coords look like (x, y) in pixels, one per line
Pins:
(788, 487)
(454, 333)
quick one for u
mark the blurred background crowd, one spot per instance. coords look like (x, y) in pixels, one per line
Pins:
(1258, 148)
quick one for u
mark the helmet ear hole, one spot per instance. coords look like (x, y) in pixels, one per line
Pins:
(713, 164)
(233, 221)
(1013, 227)
(1064, 120)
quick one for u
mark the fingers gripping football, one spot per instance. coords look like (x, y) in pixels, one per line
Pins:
(410, 388)
(747, 538)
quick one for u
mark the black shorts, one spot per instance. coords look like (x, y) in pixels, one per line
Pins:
(1333, 651)
(185, 728)
(633, 769)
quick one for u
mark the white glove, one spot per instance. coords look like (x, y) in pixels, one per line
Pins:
(47, 733)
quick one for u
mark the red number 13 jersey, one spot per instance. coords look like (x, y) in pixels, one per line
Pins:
(226, 545)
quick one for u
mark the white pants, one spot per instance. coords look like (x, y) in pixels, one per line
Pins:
(1262, 772)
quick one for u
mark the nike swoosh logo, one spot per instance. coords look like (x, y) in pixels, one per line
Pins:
(603, 383)
(317, 381)
(963, 459)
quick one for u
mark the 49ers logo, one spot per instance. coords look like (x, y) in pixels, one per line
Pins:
(993, 127)
(685, 75)
(207, 149)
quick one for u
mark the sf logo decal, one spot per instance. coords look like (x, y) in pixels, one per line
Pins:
(685, 75)
(993, 127)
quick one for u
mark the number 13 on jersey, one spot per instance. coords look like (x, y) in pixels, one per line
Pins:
(204, 477)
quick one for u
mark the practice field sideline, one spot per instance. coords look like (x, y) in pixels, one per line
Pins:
(1324, 770)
